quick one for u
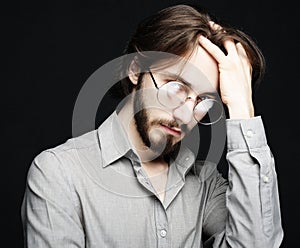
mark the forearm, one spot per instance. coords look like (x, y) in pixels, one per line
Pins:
(252, 196)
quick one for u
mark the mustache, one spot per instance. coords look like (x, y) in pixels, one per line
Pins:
(169, 123)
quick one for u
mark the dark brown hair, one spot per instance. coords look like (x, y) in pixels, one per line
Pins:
(175, 30)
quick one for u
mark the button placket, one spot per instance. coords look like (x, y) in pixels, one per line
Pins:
(161, 224)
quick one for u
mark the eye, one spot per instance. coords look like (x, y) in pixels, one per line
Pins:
(176, 87)
(201, 98)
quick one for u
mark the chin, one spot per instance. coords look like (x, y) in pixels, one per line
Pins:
(164, 147)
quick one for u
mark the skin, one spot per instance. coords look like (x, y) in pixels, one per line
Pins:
(230, 73)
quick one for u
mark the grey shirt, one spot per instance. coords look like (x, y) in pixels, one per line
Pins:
(92, 191)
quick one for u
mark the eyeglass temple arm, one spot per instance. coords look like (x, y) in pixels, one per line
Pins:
(155, 84)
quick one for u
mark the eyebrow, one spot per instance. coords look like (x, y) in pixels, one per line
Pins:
(214, 93)
(177, 77)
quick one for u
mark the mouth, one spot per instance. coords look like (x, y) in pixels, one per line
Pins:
(175, 131)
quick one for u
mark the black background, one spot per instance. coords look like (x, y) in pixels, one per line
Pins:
(52, 47)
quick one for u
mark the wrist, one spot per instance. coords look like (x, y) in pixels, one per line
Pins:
(240, 111)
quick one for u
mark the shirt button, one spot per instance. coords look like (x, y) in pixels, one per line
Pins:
(265, 179)
(163, 233)
(249, 133)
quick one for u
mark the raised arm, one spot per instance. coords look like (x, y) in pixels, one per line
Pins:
(252, 199)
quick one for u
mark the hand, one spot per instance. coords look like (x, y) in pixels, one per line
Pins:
(234, 77)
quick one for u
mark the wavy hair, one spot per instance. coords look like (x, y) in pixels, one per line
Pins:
(175, 30)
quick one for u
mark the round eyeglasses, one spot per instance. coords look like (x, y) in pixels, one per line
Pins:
(174, 94)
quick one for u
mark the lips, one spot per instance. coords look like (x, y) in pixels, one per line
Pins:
(175, 131)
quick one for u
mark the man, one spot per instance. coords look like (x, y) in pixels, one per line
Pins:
(131, 182)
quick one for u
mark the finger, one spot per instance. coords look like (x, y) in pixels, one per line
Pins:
(241, 51)
(215, 26)
(212, 49)
(243, 57)
(230, 47)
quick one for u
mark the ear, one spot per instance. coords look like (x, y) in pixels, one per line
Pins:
(133, 71)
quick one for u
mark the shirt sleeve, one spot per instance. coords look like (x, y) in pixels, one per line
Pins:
(253, 216)
(48, 214)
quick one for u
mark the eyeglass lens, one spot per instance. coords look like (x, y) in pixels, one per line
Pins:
(174, 94)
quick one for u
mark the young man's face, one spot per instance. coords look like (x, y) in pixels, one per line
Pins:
(160, 126)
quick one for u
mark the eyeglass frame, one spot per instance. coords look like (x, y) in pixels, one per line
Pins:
(187, 98)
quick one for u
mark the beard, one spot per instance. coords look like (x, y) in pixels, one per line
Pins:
(158, 142)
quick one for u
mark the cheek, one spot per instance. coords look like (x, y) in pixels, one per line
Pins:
(149, 98)
(191, 125)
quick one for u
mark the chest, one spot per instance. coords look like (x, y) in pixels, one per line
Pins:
(116, 220)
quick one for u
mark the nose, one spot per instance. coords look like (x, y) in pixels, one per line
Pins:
(184, 113)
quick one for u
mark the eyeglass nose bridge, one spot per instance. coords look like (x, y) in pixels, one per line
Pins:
(183, 102)
(189, 98)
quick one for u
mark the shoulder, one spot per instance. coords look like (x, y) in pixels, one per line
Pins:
(205, 169)
(212, 180)
(208, 172)
(82, 142)
(59, 162)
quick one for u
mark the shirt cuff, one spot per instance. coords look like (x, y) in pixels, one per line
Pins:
(245, 133)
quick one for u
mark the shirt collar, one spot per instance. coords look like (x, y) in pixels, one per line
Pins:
(114, 141)
(184, 160)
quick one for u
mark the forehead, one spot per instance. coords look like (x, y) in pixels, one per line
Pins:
(205, 63)
(200, 70)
